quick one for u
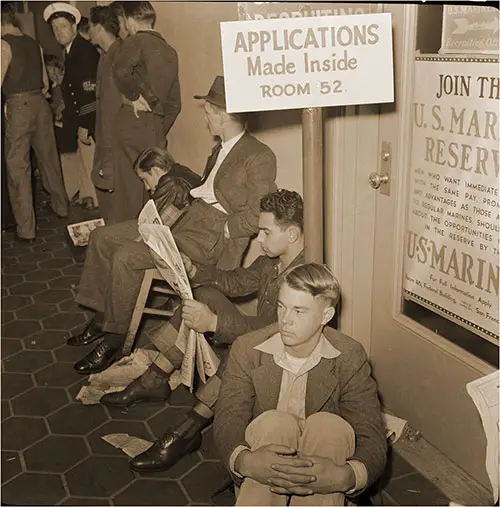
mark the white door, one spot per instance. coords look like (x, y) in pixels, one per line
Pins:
(421, 374)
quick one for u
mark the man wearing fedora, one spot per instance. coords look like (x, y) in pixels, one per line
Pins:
(215, 230)
(75, 138)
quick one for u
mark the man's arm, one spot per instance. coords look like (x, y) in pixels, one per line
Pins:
(126, 60)
(6, 58)
(88, 104)
(45, 77)
(360, 407)
(172, 107)
(261, 174)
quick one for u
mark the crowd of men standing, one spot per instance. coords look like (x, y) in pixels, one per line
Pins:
(112, 93)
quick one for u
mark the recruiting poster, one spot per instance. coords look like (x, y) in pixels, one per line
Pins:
(291, 63)
(452, 239)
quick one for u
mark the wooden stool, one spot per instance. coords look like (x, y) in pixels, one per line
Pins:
(152, 281)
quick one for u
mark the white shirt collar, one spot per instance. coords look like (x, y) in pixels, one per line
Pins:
(227, 146)
(274, 346)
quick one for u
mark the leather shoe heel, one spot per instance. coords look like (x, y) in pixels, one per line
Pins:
(135, 393)
(90, 334)
(98, 359)
(166, 452)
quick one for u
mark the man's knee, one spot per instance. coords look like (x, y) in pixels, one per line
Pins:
(273, 427)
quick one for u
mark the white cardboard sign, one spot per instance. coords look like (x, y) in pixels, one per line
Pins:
(307, 62)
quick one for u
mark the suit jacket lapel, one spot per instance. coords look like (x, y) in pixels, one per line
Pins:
(211, 160)
(321, 382)
(230, 160)
(267, 382)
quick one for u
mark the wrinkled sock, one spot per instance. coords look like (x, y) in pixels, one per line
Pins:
(152, 378)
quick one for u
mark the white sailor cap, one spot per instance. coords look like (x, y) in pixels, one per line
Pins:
(60, 7)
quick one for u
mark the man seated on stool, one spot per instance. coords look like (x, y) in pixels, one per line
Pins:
(281, 238)
(298, 421)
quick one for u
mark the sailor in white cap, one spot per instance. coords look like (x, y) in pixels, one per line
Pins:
(75, 139)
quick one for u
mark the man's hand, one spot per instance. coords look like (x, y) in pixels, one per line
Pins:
(263, 463)
(190, 267)
(198, 316)
(141, 104)
(325, 477)
(83, 136)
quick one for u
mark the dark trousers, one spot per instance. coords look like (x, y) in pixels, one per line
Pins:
(131, 136)
(29, 124)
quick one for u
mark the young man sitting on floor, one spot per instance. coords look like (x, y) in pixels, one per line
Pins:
(281, 238)
(298, 421)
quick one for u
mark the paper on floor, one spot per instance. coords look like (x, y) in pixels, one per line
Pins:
(485, 393)
(131, 446)
(394, 427)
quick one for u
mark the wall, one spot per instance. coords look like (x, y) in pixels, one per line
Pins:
(193, 30)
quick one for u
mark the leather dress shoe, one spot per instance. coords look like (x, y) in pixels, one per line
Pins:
(166, 451)
(98, 360)
(91, 333)
(135, 393)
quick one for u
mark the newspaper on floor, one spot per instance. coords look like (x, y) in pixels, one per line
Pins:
(80, 232)
(394, 427)
(197, 352)
(149, 214)
(131, 446)
(117, 377)
(485, 393)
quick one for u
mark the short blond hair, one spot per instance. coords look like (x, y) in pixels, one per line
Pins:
(315, 279)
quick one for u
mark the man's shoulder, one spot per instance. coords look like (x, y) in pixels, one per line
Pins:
(84, 50)
(245, 344)
(251, 143)
(349, 348)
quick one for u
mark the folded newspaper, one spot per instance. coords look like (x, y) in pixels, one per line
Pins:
(198, 355)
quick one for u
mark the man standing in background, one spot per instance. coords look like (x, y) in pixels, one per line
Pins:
(146, 73)
(76, 142)
(28, 124)
(104, 30)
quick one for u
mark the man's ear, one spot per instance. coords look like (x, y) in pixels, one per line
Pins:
(328, 314)
(293, 234)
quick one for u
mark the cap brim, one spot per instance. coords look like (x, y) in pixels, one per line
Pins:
(212, 100)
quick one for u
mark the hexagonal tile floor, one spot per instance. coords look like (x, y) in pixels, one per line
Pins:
(52, 451)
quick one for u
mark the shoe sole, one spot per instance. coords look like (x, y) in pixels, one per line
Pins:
(130, 405)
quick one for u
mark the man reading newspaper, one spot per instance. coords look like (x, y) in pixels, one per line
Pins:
(211, 312)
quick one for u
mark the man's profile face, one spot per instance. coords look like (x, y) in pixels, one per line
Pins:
(94, 31)
(213, 119)
(273, 238)
(301, 318)
(64, 31)
(123, 33)
(150, 178)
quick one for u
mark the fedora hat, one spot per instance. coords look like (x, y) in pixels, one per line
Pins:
(216, 94)
(59, 8)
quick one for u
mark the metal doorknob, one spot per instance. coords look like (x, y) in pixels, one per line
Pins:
(377, 179)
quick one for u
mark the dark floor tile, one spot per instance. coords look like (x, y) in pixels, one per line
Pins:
(36, 312)
(37, 257)
(21, 432)
(181, 397)
(14, 384)
(99, 476)
(28, 288)
(55, 453)
(57, 375)
(225, 497)
(49, 246)
(75, 389)
(139, 412)
(151, 492)
(42, 275)
(45, 340)
(18, 268)
(65, 282)
(10, 346)
(387, 499)
(165, 419)
(56, 263)
(11, 465)
(203, 480)
(183, 466)
(6, 411)
(28, 361)
(64, 321)
(40, 401)
(65, 252)
(33, 489)
(15, 251)
(133, 428)
(15, 302)
(77, 419)
(53, 296)
(75, 270)
(11, 280)
(20, 328)
(75, 500)
(7, 317)
(415, 489)
(71, 306)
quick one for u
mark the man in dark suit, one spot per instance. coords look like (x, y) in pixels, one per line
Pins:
(215, 230)
(298, 421)
(76, 137)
